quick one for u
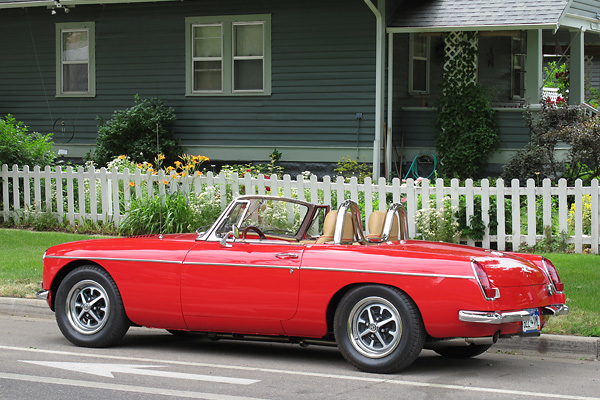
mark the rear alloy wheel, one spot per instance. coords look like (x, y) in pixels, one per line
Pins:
(378, 329)
(89, 309)
(471, 350)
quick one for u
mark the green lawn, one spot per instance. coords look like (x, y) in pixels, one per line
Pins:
(581, 274)
(21, 272)
(21, 259)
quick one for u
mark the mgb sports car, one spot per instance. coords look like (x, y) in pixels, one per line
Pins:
(284, 269)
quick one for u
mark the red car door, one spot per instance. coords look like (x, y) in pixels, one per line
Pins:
(249, 287)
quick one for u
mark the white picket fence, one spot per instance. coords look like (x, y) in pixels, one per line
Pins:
(69, 195)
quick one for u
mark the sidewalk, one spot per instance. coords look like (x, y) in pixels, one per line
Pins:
(558, 346)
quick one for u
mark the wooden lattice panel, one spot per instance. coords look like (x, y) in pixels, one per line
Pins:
(460, 59)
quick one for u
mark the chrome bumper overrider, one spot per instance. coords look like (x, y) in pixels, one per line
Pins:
(493, 317)
(42, 295)
(556, 310)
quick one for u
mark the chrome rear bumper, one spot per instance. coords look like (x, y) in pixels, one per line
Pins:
(494, 317)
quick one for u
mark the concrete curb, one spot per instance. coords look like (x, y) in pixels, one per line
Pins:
(555, 346)
(24, 307)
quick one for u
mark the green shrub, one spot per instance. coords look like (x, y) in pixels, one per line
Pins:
(133, 132)
(438, 224)
(537, 160)
(17, 146)
(173, 213)
(349, 168)
(468, 131)
(583, 158)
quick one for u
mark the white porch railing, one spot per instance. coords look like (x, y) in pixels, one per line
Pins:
(70, 195)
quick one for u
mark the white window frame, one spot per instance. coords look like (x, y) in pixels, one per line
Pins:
(61, 28)
(228, 23)
(514, 67)
(412, 57)
(195, 58)
(235, 57)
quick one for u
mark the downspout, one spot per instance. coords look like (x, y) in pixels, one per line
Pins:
(390, 99)
(378, 88)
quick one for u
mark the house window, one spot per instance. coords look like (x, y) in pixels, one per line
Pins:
(418, 68)
(75, 69)
(518, 68)
(228, 55)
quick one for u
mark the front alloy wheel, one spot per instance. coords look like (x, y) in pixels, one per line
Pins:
(89, 309)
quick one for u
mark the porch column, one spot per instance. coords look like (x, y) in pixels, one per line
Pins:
(576, 65)
(533, 67)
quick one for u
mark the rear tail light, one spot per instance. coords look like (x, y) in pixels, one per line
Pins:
(553, 275)
(488, 290)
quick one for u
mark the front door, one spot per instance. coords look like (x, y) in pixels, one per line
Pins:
(246, 288)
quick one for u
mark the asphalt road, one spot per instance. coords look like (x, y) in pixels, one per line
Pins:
(37, 362)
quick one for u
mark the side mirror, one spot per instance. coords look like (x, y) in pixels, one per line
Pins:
(228, 235)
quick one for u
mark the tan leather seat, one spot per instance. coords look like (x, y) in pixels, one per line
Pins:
(329, 228)
(376, 224)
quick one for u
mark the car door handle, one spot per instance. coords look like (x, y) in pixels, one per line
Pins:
(286, 255)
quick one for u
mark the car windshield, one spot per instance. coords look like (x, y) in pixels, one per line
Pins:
(271, 216)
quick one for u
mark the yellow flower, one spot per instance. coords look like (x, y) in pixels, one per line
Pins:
(170, 168)
(178, 163)
(122, 157)
(198, 173)
(132, 184)
(183, 174)
(165, 182)
(161, 156)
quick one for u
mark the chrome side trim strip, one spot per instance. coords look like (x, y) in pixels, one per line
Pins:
(492, 317)
(242, 265)
(115, 259)
(366, 271)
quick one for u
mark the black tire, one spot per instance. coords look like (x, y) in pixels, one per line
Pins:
(89, 309)
(469, 351)
(391, 339)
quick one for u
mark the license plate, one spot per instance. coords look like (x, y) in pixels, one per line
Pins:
(533, 323)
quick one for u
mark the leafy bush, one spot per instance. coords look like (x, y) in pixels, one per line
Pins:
(257, 169)
(586, 215)
(468, 131)
(557, 77)
(134, 132)
(583, 159)
(349, 168)
(19, 147)
(438, 224)
(536, 159)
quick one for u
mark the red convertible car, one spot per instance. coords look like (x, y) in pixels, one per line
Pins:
(289, 270)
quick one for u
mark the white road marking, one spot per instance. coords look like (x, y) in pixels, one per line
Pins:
(312, 374)
(122, 388)
(108, 369)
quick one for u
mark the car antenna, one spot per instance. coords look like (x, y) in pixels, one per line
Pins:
(160, 227)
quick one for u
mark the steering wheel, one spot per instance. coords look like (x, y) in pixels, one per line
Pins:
(261, 235)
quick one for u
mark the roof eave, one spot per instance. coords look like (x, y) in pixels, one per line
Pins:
(467, 28)
(70, 3)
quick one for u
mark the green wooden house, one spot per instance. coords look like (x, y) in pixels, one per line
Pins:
(316, 79)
